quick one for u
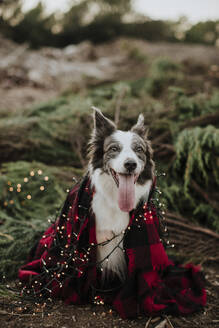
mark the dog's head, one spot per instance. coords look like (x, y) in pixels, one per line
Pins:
(124, 155)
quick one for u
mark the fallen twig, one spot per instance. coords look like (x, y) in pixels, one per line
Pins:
(12, 313)
(161, 137)
(194, 228)
(118, 104)
(154, 320)
(148, 322)
(210, 259)
(169, 322)
(169, 147)
(176, 216)
(203, 120)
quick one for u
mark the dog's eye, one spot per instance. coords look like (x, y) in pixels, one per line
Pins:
(114, 148)
(139, 149)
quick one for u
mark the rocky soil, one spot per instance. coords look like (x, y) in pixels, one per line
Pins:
(28, 76)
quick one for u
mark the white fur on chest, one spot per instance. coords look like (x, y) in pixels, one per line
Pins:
(110, 220)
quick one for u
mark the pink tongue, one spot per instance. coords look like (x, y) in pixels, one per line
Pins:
(126, 192)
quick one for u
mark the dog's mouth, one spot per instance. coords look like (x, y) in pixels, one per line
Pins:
(116, 176)
(126, 189)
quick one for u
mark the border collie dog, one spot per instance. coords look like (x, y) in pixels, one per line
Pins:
(126, 247)
(121, 170)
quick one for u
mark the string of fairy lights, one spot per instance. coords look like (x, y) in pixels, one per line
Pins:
(20, 187)
(74, 260)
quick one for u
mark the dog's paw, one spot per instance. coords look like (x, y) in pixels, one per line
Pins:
(104, 235)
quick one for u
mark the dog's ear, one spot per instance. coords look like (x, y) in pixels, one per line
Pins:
(103, 128)
(102, 125)
(142, 131)
(140, 127)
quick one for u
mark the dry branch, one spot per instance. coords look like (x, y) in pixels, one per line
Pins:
(118, 105)
(169, 322)
(204, 195)
(193, 228)
(203, 120)
(148, 322)
(161, 137)
(169, 147)
(177, 216)
(164, 150)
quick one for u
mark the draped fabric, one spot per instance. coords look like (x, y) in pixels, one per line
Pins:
(63, 264)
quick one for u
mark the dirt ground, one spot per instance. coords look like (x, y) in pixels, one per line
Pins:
(59, 315)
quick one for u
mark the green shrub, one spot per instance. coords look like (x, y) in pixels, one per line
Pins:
(195, 174)
(162, 72)
(31, 194)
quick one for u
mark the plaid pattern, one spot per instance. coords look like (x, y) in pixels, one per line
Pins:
(64, 262)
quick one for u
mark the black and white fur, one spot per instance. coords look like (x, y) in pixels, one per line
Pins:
(115, 152)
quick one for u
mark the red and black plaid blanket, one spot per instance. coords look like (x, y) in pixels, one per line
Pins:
(63, 264)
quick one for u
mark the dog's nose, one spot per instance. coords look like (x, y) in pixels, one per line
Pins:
(130, 165)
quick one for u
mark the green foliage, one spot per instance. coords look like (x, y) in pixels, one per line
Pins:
(162, 72)
(8, 294)
(73, 18)
(35, 28)
(46, 133)
(31, 193)
(203, 32)
(97, 21)
(154, 30)
(194, 106)
(214, 101)
(197, 154)
(31, 177)
(195, 158)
